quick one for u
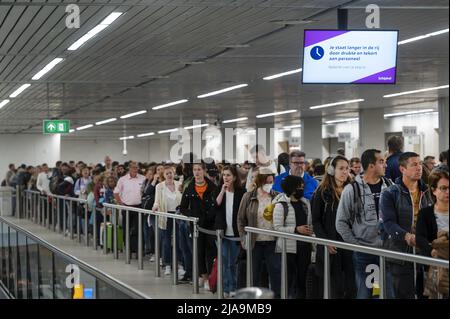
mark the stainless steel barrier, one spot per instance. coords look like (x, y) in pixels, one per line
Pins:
(143, 212)
(34, 203)
(382, 253)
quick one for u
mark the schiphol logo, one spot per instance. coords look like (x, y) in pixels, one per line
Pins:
(317, 52)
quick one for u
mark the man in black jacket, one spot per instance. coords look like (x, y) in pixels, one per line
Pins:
(399, 206)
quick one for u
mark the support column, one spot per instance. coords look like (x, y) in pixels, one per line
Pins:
(311, 137)
(371, 129)
(443, 123)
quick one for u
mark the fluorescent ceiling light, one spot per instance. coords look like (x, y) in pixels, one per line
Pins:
(20, 90)
(275, 113)
(420, 37)
(292, 126)
(106, 121)
(408, 113)
(195, 126)
(169, 104)
(222, 90)
(133, 114)
(71, 130)
(343, 120)
(3, 103)
(146, 134)
(47, 68)
(84, 127)
(235, 120)
(417, 91)
(126, 138)
(111, 18)
(168, 131)
(336, 103)
(279, 75)
(96, 30)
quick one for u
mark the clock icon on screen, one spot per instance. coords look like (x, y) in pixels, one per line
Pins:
(317, 53)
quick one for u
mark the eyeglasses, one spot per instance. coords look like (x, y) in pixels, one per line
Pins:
(298, 163)
(443, 188)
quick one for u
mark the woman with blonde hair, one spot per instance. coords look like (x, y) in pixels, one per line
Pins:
(167, 199)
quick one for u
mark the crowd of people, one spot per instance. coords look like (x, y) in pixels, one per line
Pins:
(391, 200)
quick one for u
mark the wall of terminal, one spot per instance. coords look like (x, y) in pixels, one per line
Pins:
(28, 149)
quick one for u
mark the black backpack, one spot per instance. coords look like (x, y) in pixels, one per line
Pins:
(285, 210)
(54, 184)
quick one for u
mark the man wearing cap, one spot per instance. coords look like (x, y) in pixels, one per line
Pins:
(297, 165)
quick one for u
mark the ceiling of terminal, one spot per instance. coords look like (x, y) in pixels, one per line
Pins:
(163, 51)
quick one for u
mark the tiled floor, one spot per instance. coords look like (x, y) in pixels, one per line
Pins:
(142, 280)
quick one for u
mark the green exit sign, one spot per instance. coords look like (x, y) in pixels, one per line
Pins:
(56, 126)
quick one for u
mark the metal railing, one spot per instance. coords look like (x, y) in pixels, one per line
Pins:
(382, 253)
(94, 272)
(36, 214)
(143, 212)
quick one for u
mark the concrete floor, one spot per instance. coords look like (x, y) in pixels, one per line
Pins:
(142, 280)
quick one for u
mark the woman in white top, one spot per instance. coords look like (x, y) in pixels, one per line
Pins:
(228, 202)
(167, 199)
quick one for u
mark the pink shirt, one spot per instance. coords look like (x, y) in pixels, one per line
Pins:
(129, 189)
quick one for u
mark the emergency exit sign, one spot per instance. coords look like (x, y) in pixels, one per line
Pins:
(56, 126)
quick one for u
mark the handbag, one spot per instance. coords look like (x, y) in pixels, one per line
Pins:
(213, 278)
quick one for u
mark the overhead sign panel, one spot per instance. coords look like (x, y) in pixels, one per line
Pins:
(346, 56)
(56, 126)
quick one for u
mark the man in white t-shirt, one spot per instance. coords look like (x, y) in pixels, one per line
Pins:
(43, 180)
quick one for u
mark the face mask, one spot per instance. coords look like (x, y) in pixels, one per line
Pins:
(267, 187)
(299, 193)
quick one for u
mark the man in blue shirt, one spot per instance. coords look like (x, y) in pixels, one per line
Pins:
(297, 165)
(395, 146)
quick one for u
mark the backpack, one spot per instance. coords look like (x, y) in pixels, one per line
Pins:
(357, 198)
(54, 184)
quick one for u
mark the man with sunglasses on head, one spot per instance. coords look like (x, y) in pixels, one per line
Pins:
(358, 214)
(297, 168)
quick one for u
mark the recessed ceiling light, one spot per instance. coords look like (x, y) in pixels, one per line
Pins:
(195, 126)
(169, 104)
(235, 120)
(416, 91)
(275, 113)
(20, 90)
(106, 121)
(84, 127)
(133, 114)
(146, 134)
(336, 103)
(408, 113)
(168, 131)
(94, 31)
(279, 75)
(235, 87)
(343, 120)
(127, 138)
(47, 68)
(420, 37)
(3, 103)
